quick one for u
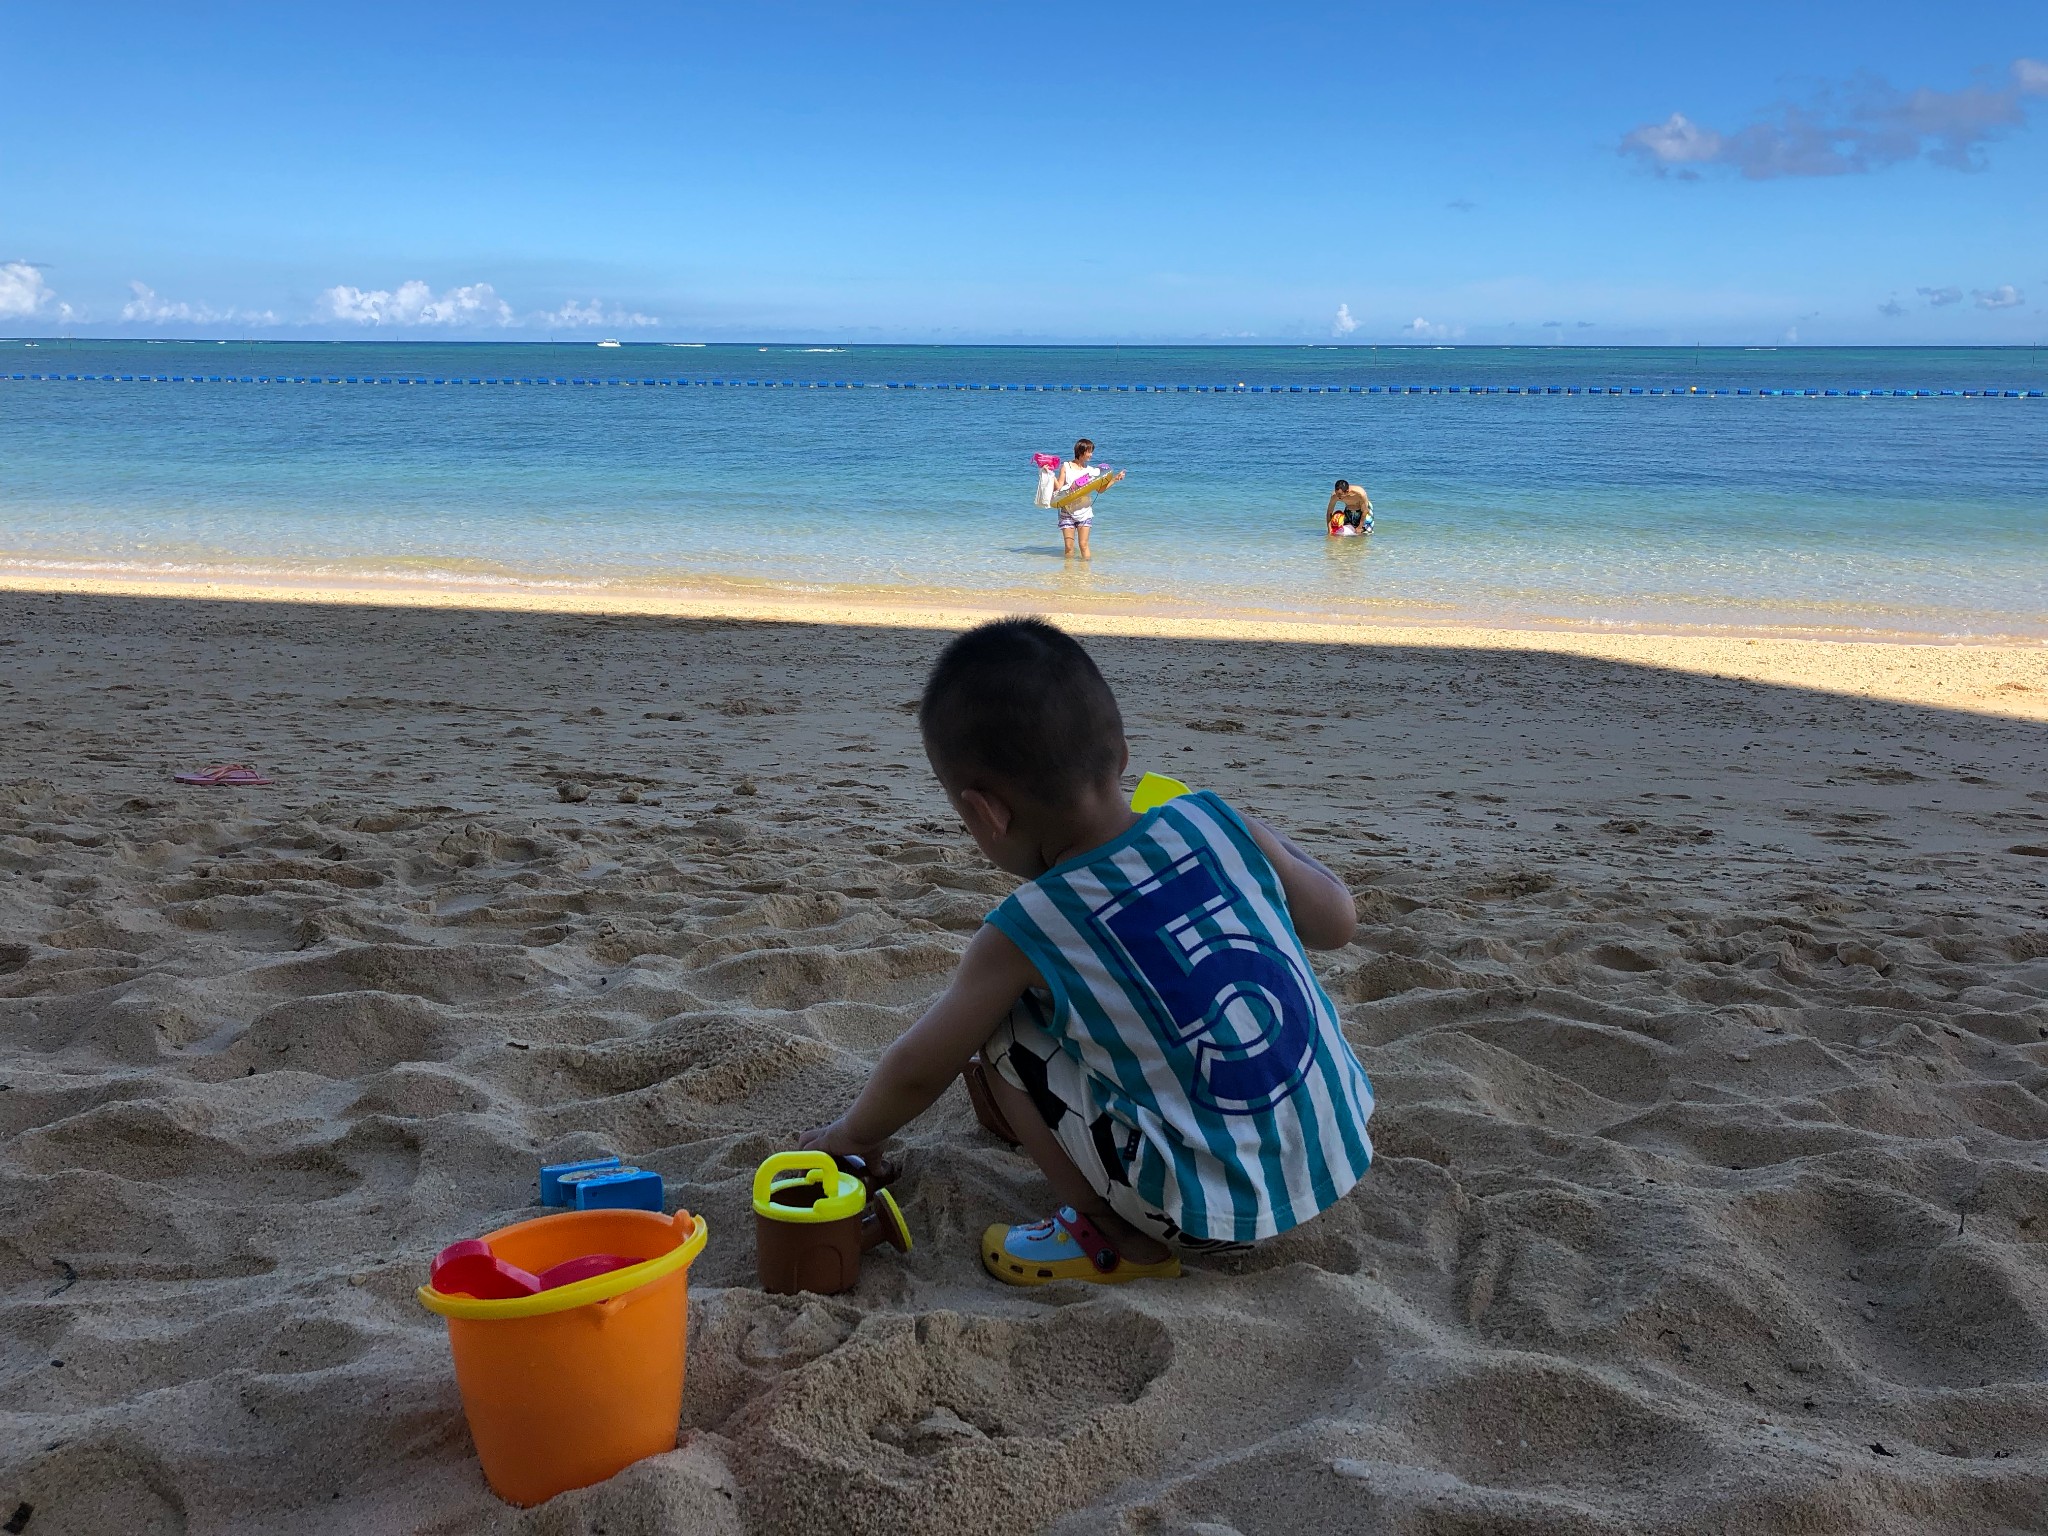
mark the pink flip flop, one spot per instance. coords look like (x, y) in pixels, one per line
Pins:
(225, 775)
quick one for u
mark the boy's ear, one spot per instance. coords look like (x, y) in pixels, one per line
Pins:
(986, 815)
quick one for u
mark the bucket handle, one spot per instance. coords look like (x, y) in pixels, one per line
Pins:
(609, 1307)
(816, 1167)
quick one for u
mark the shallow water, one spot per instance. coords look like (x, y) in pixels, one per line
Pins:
(1833, 515)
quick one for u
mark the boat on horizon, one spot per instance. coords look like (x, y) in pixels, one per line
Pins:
(609, 341)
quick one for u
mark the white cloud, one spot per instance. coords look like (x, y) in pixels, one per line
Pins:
(1864, 124)
(1343, 325)
(150, 307)
(1677, 141)
(414, 304)
(23, 290)
(1421, 329)
(1937, 297)
(576, 316)
(1892, 308)
(2004, 296)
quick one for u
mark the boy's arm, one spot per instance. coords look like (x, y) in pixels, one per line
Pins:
(1331, 506)
(1320, 904)
(926, 1058)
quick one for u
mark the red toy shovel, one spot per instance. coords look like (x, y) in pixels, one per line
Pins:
(471, 1269)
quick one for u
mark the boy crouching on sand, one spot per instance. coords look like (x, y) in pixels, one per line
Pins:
(1147, 1024)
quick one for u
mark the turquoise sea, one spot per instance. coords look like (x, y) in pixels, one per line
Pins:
(1677, 509)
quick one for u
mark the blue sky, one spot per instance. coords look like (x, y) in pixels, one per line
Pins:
(1824, 173)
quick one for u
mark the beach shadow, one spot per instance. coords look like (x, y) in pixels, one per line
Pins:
(1708, 1020)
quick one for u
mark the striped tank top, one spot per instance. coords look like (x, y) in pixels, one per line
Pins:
(1177, 982)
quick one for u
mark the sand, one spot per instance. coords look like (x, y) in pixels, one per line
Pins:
(1704, 984)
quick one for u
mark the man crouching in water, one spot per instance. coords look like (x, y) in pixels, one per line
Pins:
(1349, 511)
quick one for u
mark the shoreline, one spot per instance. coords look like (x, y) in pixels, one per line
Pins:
(1994, 677)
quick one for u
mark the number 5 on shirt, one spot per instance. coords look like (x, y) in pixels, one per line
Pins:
(1236, 1001)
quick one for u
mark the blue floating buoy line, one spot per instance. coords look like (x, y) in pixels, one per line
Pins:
(1697, 391)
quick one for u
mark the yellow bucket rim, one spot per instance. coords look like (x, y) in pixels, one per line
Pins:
(581, 1294)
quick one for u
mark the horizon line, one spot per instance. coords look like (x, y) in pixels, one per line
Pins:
(1071, 346)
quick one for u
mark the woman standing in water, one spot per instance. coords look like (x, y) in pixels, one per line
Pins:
(1077, 515)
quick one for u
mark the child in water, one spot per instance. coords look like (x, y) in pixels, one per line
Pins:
(1140, 1014)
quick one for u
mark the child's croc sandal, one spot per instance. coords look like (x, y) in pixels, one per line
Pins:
(1064, 1246)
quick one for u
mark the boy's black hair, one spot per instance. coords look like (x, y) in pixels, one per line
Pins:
(1020, 702)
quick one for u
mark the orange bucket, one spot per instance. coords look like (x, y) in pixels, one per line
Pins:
(566, 1387)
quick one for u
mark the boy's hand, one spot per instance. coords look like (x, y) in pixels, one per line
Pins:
(835, 1140)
